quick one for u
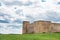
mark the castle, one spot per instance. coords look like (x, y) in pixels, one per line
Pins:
(40, 27)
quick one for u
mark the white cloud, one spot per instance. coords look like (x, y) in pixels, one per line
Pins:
(9, 30)
(39, 10)
(8, 0)
(10, 12)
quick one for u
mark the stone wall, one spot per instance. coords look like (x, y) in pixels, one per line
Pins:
(30, 28)
(55, 27)
(25, 25)
(40, 27)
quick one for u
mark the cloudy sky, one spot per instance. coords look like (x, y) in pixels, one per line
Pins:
(14, 12)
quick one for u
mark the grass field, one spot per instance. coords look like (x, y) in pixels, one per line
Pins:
(43, 36)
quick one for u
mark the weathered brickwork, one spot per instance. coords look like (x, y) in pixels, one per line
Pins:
(40, 27)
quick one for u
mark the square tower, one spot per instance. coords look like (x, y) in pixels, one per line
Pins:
(25, 25)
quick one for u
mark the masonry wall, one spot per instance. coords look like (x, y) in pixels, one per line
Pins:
(55, 27)
(25, 25)
(40, 27)
(30, 28)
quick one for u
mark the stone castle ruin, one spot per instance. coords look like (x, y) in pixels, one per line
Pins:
(40, 27)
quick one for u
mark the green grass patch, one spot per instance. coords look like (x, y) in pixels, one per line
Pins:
(42, 36)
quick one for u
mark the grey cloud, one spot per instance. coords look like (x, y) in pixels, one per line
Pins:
(18, 3)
